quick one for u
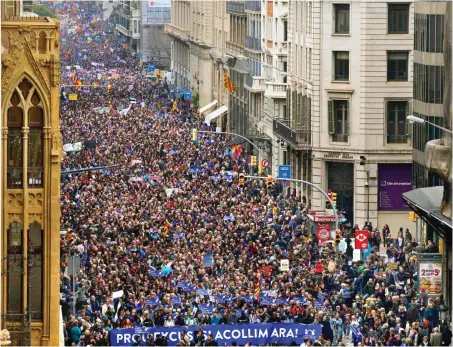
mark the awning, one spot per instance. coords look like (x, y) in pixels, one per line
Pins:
(213, 115)
(207, 107)
(426, 203)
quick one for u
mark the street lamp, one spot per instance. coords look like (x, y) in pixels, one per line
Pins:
(413, 119)
(442, 310)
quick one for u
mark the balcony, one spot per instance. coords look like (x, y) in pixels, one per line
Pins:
(275, 90)
(177, 32)
(253, 6)
(123, 30)
(234, 49)
(283, 48)
(235, 7)
(252, 43)
(296, 138)
(255, 83)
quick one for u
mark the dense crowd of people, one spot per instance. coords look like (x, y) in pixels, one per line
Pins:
(169, 238)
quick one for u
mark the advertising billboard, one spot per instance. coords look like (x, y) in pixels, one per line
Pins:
(430, 273)
(394, 180)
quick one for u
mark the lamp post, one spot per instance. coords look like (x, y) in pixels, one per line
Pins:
(414, 119)
(442, 310)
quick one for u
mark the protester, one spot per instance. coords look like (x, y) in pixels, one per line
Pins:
(168, 238)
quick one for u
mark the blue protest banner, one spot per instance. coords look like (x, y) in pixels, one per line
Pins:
(320, 304)
(257, 334)
(208, 260)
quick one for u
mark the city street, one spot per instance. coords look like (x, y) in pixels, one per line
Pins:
(177, 248)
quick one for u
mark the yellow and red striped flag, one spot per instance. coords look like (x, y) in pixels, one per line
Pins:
(175, 105)
(77, 82)
(228, 83)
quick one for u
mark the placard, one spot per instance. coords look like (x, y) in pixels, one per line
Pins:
(284, 265)
(117, 294)
(73, 97)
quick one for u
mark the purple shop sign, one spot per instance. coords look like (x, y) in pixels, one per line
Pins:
(394, 180)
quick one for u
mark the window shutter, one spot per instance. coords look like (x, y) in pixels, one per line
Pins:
(346, 120)
(331, 120)
(302, 111)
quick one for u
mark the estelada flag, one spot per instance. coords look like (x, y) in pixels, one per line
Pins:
(236, 151)
(361, 239)
(175, 105)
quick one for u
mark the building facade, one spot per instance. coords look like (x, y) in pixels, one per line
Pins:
(432, 146)
(31, 151)
(350, 91)
(154, 42)
(129, 23)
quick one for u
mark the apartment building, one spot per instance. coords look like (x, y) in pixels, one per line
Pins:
(275, 68)
(154, 42)
(349, 93)
(238, 67)
(129, 23)
(432, 146)
(260, 129)
(196, 31)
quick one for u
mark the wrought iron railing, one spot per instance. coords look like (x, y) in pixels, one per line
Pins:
(297, 137)
(252, 43)
(237, 7)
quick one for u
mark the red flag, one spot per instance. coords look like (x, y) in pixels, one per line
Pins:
(361, 239)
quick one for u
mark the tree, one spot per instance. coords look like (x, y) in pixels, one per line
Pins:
(43, 11)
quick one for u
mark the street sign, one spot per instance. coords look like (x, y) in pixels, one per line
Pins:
(361, 239)
(265, 163)
(284, 171)
(187, 95)
(151, 68)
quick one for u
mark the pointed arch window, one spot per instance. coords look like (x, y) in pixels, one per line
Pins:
(25, 102)
(35, 155)
(15, 268)
(15, 142)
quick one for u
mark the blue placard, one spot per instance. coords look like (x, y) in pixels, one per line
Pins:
(284, 171)
(151, 68)
(208, 260)
(187, 95)
(225, 334)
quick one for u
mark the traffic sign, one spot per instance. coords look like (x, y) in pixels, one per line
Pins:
(284, 171)
(265, 163)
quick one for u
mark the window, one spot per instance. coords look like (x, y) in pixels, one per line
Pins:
(35, 255)
(398, 18)
(397, 65)
(35, 162)
(285, 30)
(15, 143)
(341, 18)
(15, 268)
(341, 61)
(429, 83)
(397, 111)
(338, 120)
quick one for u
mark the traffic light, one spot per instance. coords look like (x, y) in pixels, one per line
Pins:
(241, 179)
(328, 205)
(270, 183)
(337, 237)
(195, 136)
(253, 160)
(334, 199)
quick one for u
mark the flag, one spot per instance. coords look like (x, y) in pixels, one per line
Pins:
(91, 29)
(175, 105)
(74, 10)
(236, 151)
(258, 288)
(77, 82)
(68, 54)
(228, 83)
